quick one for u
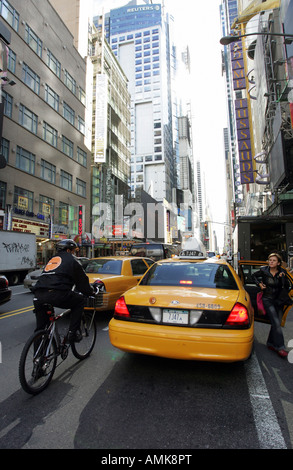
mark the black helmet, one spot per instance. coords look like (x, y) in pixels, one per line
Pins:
(67, 244)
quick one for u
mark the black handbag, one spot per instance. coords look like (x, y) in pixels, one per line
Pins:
(283, 297)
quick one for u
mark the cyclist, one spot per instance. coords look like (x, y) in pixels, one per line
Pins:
(55, 285)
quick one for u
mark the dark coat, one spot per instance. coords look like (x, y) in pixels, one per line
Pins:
(273, 284)
(63, 272)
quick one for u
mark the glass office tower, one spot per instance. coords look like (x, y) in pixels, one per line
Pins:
(139, 35)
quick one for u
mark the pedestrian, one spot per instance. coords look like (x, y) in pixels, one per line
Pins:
(269, 279)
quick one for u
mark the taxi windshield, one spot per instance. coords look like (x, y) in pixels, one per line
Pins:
(190, 275)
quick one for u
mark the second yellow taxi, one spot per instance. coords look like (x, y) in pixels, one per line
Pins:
(114, 275)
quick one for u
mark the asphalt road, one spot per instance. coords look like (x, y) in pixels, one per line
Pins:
(118, 401)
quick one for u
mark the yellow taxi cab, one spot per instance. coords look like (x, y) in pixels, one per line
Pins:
(188, 307)
(246, 269)
(114, 275)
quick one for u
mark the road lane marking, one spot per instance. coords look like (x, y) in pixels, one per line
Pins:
(266, 422)
(16, 312)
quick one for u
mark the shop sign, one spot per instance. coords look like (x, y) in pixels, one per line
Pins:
(242, 116)
(23, 225)
(80, 221)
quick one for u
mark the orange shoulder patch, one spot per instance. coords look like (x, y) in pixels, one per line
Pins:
(53, 264)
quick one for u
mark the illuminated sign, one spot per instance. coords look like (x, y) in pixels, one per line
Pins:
(24, 225)
(80, 220)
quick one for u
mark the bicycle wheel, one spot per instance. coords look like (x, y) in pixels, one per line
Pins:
(89, 332)
(37, 362)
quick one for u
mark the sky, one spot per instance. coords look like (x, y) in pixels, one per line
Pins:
(198, 25)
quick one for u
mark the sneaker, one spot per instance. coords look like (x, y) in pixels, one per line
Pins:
(74, 336)
(282, 353)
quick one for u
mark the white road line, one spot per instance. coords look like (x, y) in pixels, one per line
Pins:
(266, 423)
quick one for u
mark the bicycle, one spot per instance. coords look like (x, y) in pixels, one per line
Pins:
(38, 359)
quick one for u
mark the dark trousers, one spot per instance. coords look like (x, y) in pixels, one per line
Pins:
(276, 337)
(62, 299)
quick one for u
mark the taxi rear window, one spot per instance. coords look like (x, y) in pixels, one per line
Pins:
(190, 275)
(104, 266)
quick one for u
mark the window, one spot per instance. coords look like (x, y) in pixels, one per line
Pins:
(66, 180)
(8, 100)
(23, 199)
(28, 119)
(80, 187)
(50, 134)
(104, 266)
(46, 206)
(25, 160)
(138, 267)
(67, 146)
(10, 14)
(82, 95)
(70, 82)
(53, 64)
(195, 274)
(81, 157)
(52, 98)
(30, 78)
(4, 149)
(11, 61)
(2, 195)
(48, 171)
(68, 113)
(63, 213)
(33, 40)
(81, 125)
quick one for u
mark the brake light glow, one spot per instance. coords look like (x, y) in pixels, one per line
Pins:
(121, 308)
(238, 316)
(185, 282)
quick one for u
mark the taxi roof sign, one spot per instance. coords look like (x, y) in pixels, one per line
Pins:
(193, 248)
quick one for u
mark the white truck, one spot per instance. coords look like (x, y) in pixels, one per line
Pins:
(18, 254)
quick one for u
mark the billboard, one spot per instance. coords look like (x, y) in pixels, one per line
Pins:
(101, 118)
(242, 115)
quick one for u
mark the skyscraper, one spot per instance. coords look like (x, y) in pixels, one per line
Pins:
(139, 35)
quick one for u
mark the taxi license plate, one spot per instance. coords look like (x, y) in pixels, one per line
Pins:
(177, 317)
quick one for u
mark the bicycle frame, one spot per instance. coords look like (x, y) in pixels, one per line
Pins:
(37, 366)
(54, 333)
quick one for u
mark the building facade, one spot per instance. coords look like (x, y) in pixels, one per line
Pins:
(45, 186)
(259, 87)
(139, 37)
(111, 130)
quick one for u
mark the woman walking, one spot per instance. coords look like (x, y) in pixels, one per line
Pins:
(269, 279)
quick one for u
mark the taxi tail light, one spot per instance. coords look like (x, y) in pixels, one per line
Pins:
(238, 316)
(121, 309)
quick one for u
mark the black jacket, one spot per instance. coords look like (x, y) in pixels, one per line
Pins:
(63, 272)
(273, 284)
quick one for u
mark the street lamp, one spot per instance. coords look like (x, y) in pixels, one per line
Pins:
(226, 40)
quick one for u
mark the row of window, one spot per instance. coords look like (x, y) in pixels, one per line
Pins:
(145, 34)
(24, 199)
(29, 120)
(9, 13)
(26, 161)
